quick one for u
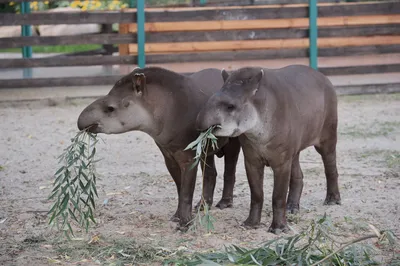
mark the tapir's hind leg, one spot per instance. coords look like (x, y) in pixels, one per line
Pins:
(327, 149)
(296, 186)
(231, 155)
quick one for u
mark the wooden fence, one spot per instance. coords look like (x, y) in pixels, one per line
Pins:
(204, 34)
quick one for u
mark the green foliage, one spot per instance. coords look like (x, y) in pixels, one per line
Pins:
(203, 218)
(201, 146)
(74, 187)
(319, 244)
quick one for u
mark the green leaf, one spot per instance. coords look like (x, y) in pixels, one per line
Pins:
(59, 170)
(64, 204)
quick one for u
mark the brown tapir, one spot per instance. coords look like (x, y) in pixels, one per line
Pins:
(165, 104)
(276, 114)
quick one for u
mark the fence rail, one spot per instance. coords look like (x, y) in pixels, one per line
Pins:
(222, 33)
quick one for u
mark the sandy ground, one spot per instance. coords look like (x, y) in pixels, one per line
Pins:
(140, 195)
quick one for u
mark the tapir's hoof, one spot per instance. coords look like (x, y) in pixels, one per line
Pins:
(174, 218)
(332, 199)
(224, 203)
(292, 208)
(251, 224)
(277, 230)
(182, 228)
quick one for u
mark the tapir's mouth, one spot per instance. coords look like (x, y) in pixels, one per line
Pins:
(93, 128)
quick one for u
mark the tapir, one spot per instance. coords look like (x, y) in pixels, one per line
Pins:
(277, 113)
(165, 104)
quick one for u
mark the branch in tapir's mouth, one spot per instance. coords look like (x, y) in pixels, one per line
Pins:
(201, 144)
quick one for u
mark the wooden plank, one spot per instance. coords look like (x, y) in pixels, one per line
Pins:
(43, 18)
(105, 38)
(54, 82)
(68, 61)
(271, 12)
(225, 56)
(363, 69)
(268, 54)
(159, 48)
(266, 23)
(124, 48)
(373, 30)
(199, 14)
(359, 50)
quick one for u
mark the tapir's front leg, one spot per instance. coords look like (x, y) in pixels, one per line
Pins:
(282, 172)
(175, 172)
(188, 182)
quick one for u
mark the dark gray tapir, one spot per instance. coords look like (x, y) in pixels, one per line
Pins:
(165, 104)
(276, 114)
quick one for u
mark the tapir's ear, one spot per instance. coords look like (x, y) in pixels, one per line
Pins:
(255, 80)
(224, 74)
(257, 77)
(139, 83)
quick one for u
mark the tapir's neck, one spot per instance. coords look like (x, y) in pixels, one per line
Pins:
(160, 105)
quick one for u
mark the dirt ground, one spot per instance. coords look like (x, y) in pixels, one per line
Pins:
(137, 196)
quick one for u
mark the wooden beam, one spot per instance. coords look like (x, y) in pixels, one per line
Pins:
(265, 24)
(44, 18)
(263, 34)
(107, 38)
(269, 54)
(55, 82)
(200, 14)
(363, 69)
(182, 47)
(270, 12)
(68, 61)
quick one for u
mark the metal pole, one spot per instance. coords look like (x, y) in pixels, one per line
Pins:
(26, 30)
(132, 3)
(141, 33)
(313, 33)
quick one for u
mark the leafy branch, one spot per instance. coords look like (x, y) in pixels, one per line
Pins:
(74, 187)
(316, 245)
(201, 146)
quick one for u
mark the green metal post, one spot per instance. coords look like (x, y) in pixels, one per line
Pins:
(203, 2)
(313, 33)
(132, 3)
(141, 33)
(26, 30)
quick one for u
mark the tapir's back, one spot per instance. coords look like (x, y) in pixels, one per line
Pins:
(309, 99)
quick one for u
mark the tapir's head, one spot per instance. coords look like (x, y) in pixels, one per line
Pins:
(122, 109)
(232, 108)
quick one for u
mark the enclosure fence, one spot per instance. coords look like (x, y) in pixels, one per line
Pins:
(212, 33)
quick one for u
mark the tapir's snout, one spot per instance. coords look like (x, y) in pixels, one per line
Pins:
(89, 118)
(84, 122)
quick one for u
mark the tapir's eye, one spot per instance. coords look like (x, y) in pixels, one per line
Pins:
(110, 109)
(230, 107)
